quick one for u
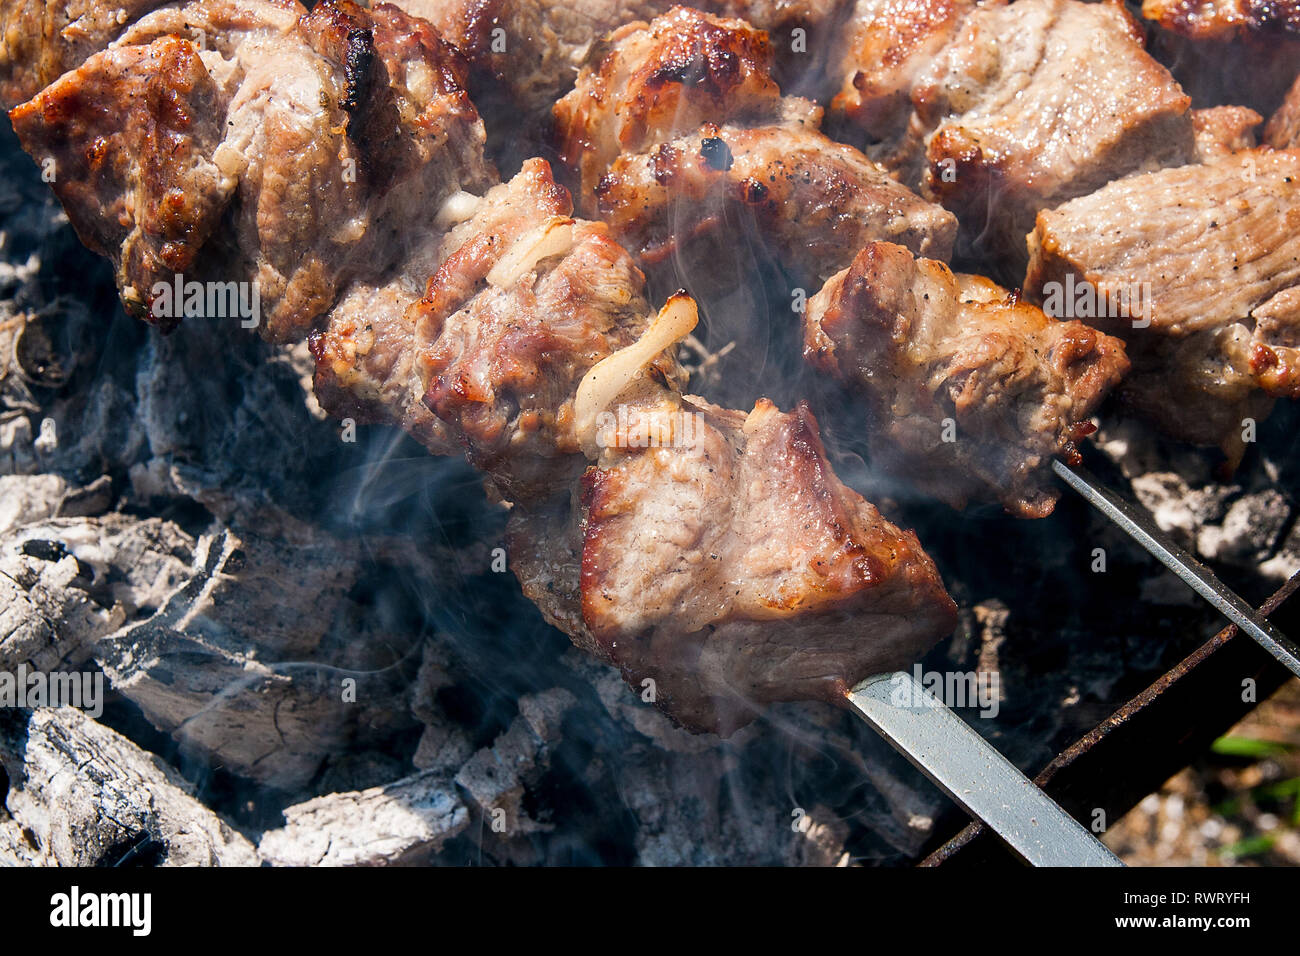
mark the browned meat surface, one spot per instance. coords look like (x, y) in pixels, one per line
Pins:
(131, 137)
(40, 40)
(791, 571)
(1204, 258)
(967, 391)
(660, 80)
(504, 342)
(530, 50)
(1219, 19)
(731, 569)
(679, 131)
(1228, 51)
(1224, 129)
(1283, 130)
(997, 111)
(816, 201)
(366, 353)
(208, 141)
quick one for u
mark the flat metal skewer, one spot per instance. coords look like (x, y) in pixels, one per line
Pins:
(970, 771)
(1142, 528)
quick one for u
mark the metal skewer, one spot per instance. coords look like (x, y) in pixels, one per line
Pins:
(1140, 526)
(982, 781)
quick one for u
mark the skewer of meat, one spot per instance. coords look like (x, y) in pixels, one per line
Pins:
(968, 393)
(722, 559)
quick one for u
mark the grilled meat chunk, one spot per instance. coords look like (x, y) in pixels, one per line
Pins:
(1197, 267)
(130, 140)
(1240, 51)
(1224, 129)
(661, 80)
(43, 39)
(211, 142)
(501, 366)
(997, 111)
(730, 567)
(366, 350)
(666, 184)
(1283, 130)
(1220, 19)
(814, 200)
(529, 50)
(968, 391)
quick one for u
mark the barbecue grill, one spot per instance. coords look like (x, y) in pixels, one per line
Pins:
(531, 321)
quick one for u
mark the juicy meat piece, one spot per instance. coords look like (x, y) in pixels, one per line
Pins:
(816, 201)
(731, 568)
(1283, 130)
(660, 80)
(1219, 19)
(968, 391)
(1224, 129)
(366, 351)
(530, 50)
(997, 111)
(43, 39)
(1238, 51)
(888, 57)
(130, 140)
(212, 141)
(1192, 263)
(501, 367)
(679, 130)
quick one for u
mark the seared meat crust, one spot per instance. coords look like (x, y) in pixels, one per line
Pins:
(1212, 254)
(817, 201)
(679, 130)
(1283, 130)
(731, 569)
(288, 158)
(366, 351)
(130, 141)
(968, 391)
(997, 111)
(660, 80)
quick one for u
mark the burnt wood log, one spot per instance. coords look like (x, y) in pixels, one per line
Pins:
(80, 794)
